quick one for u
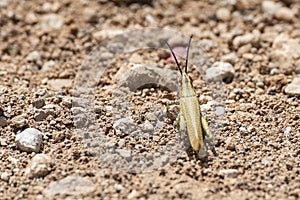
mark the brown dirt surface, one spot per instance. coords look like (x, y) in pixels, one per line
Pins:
(82, 74)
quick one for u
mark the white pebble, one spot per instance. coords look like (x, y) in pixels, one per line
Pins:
(30, 140)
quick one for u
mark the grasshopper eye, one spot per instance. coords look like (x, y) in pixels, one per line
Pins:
(180, 79)
(190, 78)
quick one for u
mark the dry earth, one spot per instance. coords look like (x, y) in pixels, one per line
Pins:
(45, 47)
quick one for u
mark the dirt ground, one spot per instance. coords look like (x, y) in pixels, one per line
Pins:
(50, 58)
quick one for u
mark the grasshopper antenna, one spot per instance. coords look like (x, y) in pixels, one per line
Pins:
(187, 54)
(175, 58)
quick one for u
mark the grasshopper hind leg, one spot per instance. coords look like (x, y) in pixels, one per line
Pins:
(207, 135)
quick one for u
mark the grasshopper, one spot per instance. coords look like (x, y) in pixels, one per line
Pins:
(190, 116)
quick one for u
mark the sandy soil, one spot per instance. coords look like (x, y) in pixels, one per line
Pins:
(65, 70)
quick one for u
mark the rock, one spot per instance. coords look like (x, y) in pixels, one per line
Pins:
(47, 65)
(3, 142)
(29, 140)
(285, 52)
(51, 22)
(124, 153)
(39, 166)
(125, 125)
(3, 121)
(106, 34)
(270, 7)
(59, 84)
(140, 75)
(19, 121)
(220, 71)
(285, 13)
(38, 103)
(223, 14)
(34, 56)
(5, 176)
(293, 89)
(71, 185)
(231, 173)
(246, 39)
(231, 58)
(42, 114)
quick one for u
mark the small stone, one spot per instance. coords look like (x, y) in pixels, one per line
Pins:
(67, 102)
(34, 56)
(274, 71)
(148, 127)
(230, 144)
(38, 103)
(287, 131)
(51, 22)
(220, 71)
(285, 13)
(39, 166)
(5, 176)
(41, 115)
(47, 65)
(29, 140)
(106, 33)
(125, 125)
(124, 153)
(3, 142)
(231, 58)
(293, 89)
(71, 185)
(270, 7)
(223, 14)
(19, 121)
(3, 121)
(132, 195)
(231, 173)
(147, 75)
(60, 84)
(119, 187)
(242, 40)
(150, 20)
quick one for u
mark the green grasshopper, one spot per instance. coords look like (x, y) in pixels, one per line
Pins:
(190, 116)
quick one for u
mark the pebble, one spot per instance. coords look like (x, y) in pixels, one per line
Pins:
(19, 121)
(270, 7)
(231, 58)
(39, 166)
(243, 39)
(220, 71)
(42, 114)
(5, 176)
(231, 173)
(38, 103)
(125, 125)
(3, 121)
(34, 56)
(71, 185)
(59, 84)
(285, 13)
(293, 89)
(29, 140)
(140, 75)
(285, 52)
(3, 142)
(51, 22)
(124, 153)
(47, 65)
(223, 14)
(106, 34)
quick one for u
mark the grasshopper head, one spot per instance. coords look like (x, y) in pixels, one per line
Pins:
(185, 80)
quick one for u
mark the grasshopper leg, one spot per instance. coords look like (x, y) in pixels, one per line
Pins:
(207, 134)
